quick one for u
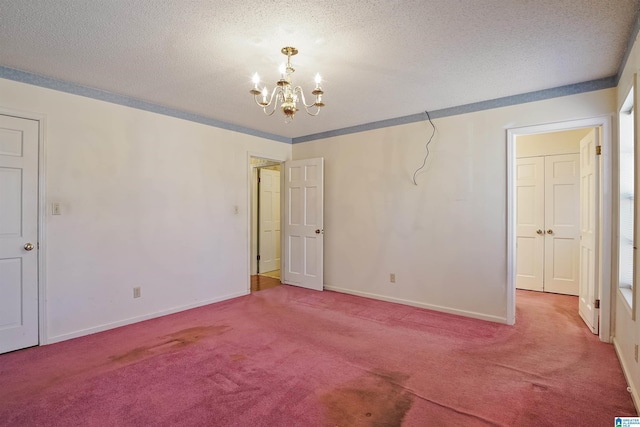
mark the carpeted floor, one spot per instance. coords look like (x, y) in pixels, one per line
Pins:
(292, 357)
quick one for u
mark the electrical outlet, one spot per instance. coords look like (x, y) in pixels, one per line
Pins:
(636, 353)
(136, 292)
(392, 277)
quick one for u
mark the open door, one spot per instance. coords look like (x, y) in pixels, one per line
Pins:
(562, 218)
(303, 223)
(589, 202)
(18, 233)
(269, 217)
(530, 229)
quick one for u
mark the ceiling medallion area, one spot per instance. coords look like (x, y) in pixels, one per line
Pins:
(285, 94)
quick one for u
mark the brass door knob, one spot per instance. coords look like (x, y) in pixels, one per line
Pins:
(549, 231)
(28, 247)
(540, 232)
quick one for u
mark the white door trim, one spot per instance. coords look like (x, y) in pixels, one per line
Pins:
(272, 158)
(43, 337)
(605, 213)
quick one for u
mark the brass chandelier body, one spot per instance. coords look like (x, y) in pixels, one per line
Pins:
(285, 94)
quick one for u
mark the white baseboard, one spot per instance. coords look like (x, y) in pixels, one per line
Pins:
(439, 308)
(112, 325)
(627, 374)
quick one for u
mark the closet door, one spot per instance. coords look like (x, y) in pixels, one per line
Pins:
(562, 231)
(530, 235)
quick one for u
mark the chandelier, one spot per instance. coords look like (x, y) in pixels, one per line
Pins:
(285, 94)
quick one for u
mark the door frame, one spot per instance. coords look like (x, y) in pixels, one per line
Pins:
(604, 213)
(42, 215)
(275, 159)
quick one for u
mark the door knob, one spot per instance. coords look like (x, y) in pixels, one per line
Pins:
(318, 231)
(28, 247)
(540, 232)
(549, 231)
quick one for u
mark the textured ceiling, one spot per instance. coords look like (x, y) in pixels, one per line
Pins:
(379, 59)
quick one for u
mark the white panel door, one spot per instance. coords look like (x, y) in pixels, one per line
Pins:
(589, 230)
(562, 214)
(269, 214)
(304, 234)
(530, 223)
(18, 229)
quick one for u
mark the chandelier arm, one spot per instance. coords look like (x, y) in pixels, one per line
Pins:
(275, 94)
(267, 112)
(298, 89)
(255, 98)
(264, 107)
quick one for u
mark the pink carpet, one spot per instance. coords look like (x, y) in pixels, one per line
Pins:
(292, 357)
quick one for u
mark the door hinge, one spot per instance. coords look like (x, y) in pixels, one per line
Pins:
(596, 304)
(258, 257)
(598, 150)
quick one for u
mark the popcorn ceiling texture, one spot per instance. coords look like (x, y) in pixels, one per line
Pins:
(380, 60)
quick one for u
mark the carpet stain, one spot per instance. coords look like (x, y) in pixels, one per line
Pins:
(571, 314)
(539, 387)
(132, 356)
(193, 335)
(175, 341)
(377, 398)
(238, 357)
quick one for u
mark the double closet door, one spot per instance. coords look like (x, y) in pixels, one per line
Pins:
(547, 228)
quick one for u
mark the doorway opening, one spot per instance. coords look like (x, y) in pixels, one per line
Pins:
(547, 182)
(265, 223)
(558, 215)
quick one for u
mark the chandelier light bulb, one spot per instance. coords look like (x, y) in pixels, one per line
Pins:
(285, 94)
(256, 79)
(265, 94)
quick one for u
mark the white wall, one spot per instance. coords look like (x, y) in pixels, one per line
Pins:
(147, 200)
(445, 239)
(627, 330)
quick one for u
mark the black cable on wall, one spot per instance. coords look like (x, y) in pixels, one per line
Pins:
(424, 162)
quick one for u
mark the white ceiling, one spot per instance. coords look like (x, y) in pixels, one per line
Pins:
(379, 59)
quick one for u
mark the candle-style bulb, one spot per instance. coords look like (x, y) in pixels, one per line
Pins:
(255, 79)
